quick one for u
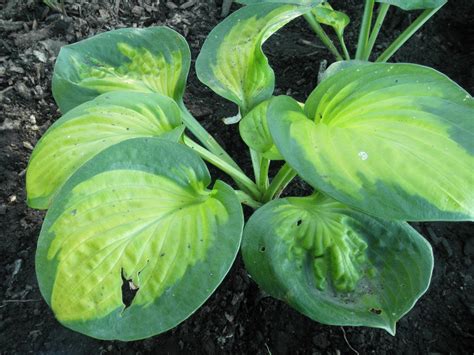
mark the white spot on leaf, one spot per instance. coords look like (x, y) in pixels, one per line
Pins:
(363, 155)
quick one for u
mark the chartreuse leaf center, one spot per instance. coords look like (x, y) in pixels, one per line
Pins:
(335, 251)
(144, 71)
(89, 129)
(154, 59)
(123, 217)
(137, 233)
(384, 132)
(231, 61)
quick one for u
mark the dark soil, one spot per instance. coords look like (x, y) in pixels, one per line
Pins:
(238, 318)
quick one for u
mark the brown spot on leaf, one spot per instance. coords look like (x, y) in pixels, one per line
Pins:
(376, 311)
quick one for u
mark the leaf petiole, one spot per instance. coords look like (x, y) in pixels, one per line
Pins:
(316, 27)
(262, 181)
(260, 169)
(256, 160)
(239, 177)
(205, 138)
(383, 9)
(343, 46)
(247, 200)
(279, 182)
(406, 35)
(365, 29)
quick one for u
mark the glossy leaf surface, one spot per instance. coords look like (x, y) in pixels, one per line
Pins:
(336, 265)
(152, 60)
(393, 140)
(231, 61)
(254, 131)
(89, 129)
(140, 211)
(415, 4)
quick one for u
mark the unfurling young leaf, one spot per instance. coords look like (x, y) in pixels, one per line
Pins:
(326, 15)
(334, 264)
(139, 210)
(90, 128)
(151, 60)
(393, 140)
(254, 131)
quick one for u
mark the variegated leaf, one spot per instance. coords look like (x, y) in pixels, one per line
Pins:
(139, 211)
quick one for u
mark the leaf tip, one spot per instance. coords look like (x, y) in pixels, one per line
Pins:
(391, 328)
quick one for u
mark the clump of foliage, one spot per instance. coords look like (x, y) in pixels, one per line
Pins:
(131, 203)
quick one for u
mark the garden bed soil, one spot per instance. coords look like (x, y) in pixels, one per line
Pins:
(238, 318)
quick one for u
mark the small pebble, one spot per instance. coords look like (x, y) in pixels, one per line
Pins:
(23, 90)
(17, 69)
(27, 145)
(41, 56)
(137, 11)
(171, 5)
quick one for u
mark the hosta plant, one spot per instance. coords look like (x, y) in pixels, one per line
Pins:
(137, 235)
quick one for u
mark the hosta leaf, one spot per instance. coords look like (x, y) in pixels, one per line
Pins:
(140, 210)
(394, 140)
(254, 131)
(334, 264)
(325, 14)
(231, 61)
(90, 128)
(415, 4)
(154, 59)
(338, 66)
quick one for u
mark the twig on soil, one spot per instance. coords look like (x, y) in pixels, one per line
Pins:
(347, 341)
(17, 301)
(9, 26)
(20, 301)
(56, 6)
(187, 4)
(311, 44)
(117, 7)
(8, 88)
